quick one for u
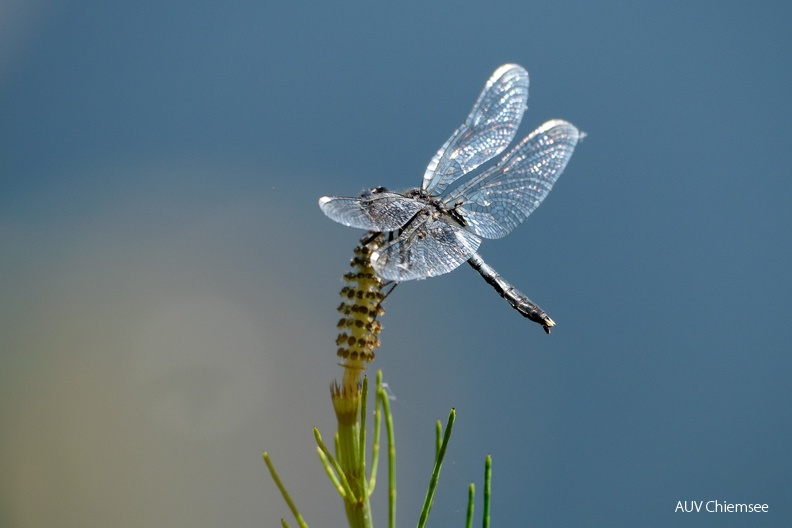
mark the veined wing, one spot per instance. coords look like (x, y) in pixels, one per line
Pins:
(374, 210)
(427, 247)
(499, 199)
(488, 130)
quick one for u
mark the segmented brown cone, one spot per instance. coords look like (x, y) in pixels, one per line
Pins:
(360, 306)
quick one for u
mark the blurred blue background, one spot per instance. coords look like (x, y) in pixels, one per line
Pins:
(168, 283)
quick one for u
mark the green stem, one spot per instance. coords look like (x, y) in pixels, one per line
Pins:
(331, 473)
(427, 506)
(471, 497)
(334, 463)
(375, 446)
(438, 438)
(487, 489)
(357, 502)
(361, 460)
(383, 397)
(283, 491)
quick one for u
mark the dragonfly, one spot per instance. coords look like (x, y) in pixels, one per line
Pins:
(431, 230)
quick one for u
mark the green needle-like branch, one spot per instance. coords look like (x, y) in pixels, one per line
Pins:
(283, 491)
(331, 473)
(438, 437)
(361, 461)
(471, 497)
(375, 446)
(427, 506)
(335, 465)
(487, 490)
(383, 398)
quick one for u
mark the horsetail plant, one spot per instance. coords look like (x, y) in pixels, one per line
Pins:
(361, 305)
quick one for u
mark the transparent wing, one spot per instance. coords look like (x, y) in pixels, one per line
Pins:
(426, 248)
(488, 130)
(374, 210)
(500, 198)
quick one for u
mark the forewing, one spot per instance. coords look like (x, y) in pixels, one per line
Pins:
(426, 248)
(374, 211)
(500, 198)
(488, 130)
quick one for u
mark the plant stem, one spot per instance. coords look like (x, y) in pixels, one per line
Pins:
(283, 491)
